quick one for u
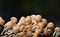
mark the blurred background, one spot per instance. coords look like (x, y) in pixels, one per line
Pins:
(49, 9)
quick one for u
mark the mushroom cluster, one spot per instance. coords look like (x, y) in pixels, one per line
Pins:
(30, 26)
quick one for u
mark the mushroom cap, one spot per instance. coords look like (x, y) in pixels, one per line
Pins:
(28, 20)
(33, 17)
(44, 21)
(38, 18)
(57, 29)
(47, 32)
(22, 19)
(14, 19)
(41, 25)
(1, 21)
(50, 25)
(16, 29)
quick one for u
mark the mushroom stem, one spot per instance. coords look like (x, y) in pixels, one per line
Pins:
(54, 33)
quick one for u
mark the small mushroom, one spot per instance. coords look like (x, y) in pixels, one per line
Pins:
(1, 21)
(44, 21)
(50, 25)
(14, 19)
(29, 33)
(33, 17)
(41, 25)
(16, 29)
(28, 20)
(47, 32)
(38, 32)
(22, 27)
(1, 24)
(56, 32)
(38, 18)
(21, 21)
(9, 25)
(20, 34)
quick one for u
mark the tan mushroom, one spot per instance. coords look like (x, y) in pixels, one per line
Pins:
(33, 17)
(1, 21)
(38, 18)
(21, 21)
(28, 20)
(9, 25)
(56, 32)
(44, 21)
(21, 34)
(47, 32)
(50, 25)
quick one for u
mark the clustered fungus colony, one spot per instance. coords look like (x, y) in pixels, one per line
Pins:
(30, 26)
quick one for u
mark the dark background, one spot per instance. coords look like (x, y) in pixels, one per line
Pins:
(49, 9)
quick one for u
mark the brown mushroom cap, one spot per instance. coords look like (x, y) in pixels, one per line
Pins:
(28, 20)
(50, 25)
(1, 21)
(14, 19)
(57, 29)
(40, 25)
(38, 18)
(47, 32)
(16, 29)
(44, 21)
(22, 19)
(33, 17)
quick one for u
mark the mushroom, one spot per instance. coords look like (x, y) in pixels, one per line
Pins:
(20, 34)
(47, 32)
(1, 24)
(33, 17)
(19, 26)
(16, 29)
(29, 33)
(1, 21)
(28, 20)
(50, 25)
(38, 18)
(56, 32)
(44, 21)
(21, 21)
(38, 32)
(38, 29)
(9, 25)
